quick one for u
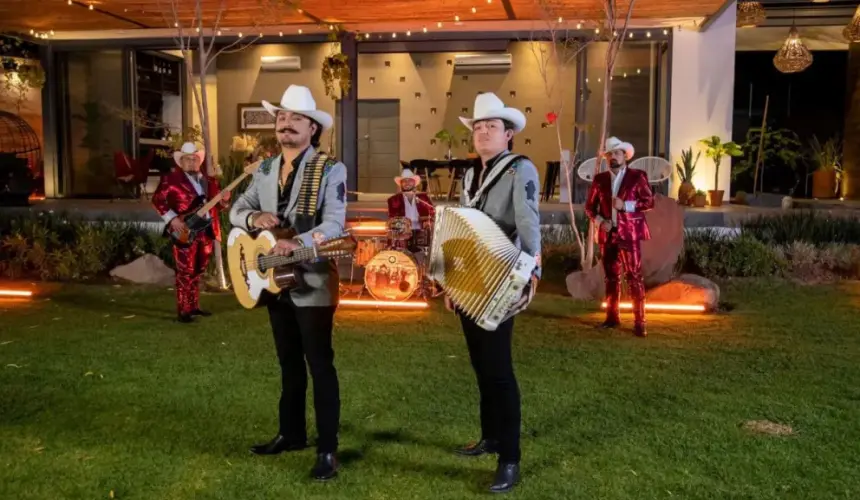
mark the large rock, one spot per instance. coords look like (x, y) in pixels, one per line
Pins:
(686, 289)
(659, 254)
(148, 270)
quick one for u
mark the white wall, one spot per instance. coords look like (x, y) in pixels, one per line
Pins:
(702, 95)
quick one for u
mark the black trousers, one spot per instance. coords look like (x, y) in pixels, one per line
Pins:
(305, 333)
(490, 353)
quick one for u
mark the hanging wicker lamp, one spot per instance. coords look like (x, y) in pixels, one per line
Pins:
(852, 31)
(793, 56)
(750, 14)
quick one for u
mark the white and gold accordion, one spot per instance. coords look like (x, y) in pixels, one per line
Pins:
(481, 270)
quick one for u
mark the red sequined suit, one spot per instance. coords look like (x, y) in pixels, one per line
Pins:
(621, 246)
(176, 192)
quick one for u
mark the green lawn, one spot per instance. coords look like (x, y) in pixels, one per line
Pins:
(101, 391)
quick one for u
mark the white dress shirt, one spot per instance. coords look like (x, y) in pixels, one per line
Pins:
(411, 210)
(629, 206)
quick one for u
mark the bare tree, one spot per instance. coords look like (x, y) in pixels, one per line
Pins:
(190, 35)
(552, 58)
(615, 30)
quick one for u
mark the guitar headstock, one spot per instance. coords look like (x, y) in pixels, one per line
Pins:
(340, 246)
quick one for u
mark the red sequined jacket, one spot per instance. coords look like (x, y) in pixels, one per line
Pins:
(635, 192)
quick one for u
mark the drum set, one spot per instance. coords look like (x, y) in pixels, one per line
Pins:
(394, 258)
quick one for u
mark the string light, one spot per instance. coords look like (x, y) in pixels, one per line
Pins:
(424, 29)
(560, 19)
(300, 31)
(597, 31)
(219, 32)
(408, 33)
(69, 2)
(280, 33)
(456, 19)
(614, 33)
(474, 10)
(32, 32)
(439, 24)
(366, 35)
(261, 35)
(578, 25)
(240, 34)
(648, 34)
(52, 32)
(665, 32)
(197, 29)
(394, 35)
(638, 71)
(91, 6)
(630, 35)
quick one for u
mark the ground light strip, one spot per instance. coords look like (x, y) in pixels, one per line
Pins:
(649, 306)
(384, 303)
(15, 293)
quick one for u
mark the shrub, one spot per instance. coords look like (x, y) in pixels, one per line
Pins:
(58, 247)
(712, 254)
(812, 264)
(803, 225)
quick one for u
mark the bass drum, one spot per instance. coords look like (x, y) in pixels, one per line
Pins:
(392, 275)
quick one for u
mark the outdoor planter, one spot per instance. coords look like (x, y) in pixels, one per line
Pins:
(699, 200)
(715, 197)
(824, 184)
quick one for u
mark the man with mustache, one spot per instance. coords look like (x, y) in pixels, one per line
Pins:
(411, 204)
(505, 187)
(176, 194)
(302, 189)
(616, 202)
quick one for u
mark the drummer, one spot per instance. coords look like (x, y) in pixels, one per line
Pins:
(413, 205)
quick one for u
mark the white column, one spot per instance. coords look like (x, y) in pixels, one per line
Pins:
(702, 96)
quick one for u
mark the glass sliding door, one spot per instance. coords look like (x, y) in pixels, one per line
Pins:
(92, 122)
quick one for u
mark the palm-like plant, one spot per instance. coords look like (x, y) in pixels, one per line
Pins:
(687, 168)
(716, 149)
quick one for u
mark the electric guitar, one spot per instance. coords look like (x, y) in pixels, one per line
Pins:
(253, 270)
(195, 217)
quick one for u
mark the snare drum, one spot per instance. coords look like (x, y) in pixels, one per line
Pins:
(399, 228)
(424, 236)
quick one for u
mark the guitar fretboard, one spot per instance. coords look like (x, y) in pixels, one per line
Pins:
(299, 255)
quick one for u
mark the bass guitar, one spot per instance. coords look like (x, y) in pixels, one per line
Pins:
(254, 271)
(195, 217)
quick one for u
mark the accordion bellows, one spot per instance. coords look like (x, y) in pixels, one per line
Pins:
(478, 266)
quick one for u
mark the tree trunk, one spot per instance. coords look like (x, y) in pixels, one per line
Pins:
(207, 143)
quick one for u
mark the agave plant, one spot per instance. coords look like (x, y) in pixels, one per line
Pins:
(687, 168)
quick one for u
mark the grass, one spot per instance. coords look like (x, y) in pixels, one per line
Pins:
(101, 392)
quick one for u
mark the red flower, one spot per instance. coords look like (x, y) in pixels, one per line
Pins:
(551, 117)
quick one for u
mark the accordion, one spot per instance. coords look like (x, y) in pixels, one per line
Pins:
(481, 270)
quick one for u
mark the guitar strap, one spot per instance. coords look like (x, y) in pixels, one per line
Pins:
(306, 205)
(490, 180)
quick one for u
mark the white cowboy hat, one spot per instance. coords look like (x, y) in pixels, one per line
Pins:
(488, 106)
(614, 143)
(189, 148)
(298, 99)
(407, 174)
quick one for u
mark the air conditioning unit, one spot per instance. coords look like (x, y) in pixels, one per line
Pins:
(477, 62)
(280, 63)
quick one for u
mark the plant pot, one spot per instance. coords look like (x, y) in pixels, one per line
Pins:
(699, 200)
(715, 197)
(824, 184)
(686, 192)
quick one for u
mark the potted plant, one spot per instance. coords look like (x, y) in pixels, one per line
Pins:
(447, 138)
(716, 150)
(699, 198)
(686, 169)
(464, 135)
(827, 159)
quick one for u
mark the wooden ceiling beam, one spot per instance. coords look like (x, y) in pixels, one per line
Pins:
(111, 14)
(509, 9)
(302, 11)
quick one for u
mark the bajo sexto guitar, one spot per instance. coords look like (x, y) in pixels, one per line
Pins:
(195, 217)
(253, 270)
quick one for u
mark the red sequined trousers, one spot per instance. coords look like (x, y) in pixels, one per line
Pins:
(191, 263)
(626, 254)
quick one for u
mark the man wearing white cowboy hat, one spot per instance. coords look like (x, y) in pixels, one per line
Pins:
(411, 204)
(616, 202)
(178, 193)
(282, 194)
(505, 187)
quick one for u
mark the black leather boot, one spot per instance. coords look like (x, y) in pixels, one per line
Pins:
(185, 318)
(278, 445)
(482, 447)
(200, 312)
(325, 468)
(507, 475)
